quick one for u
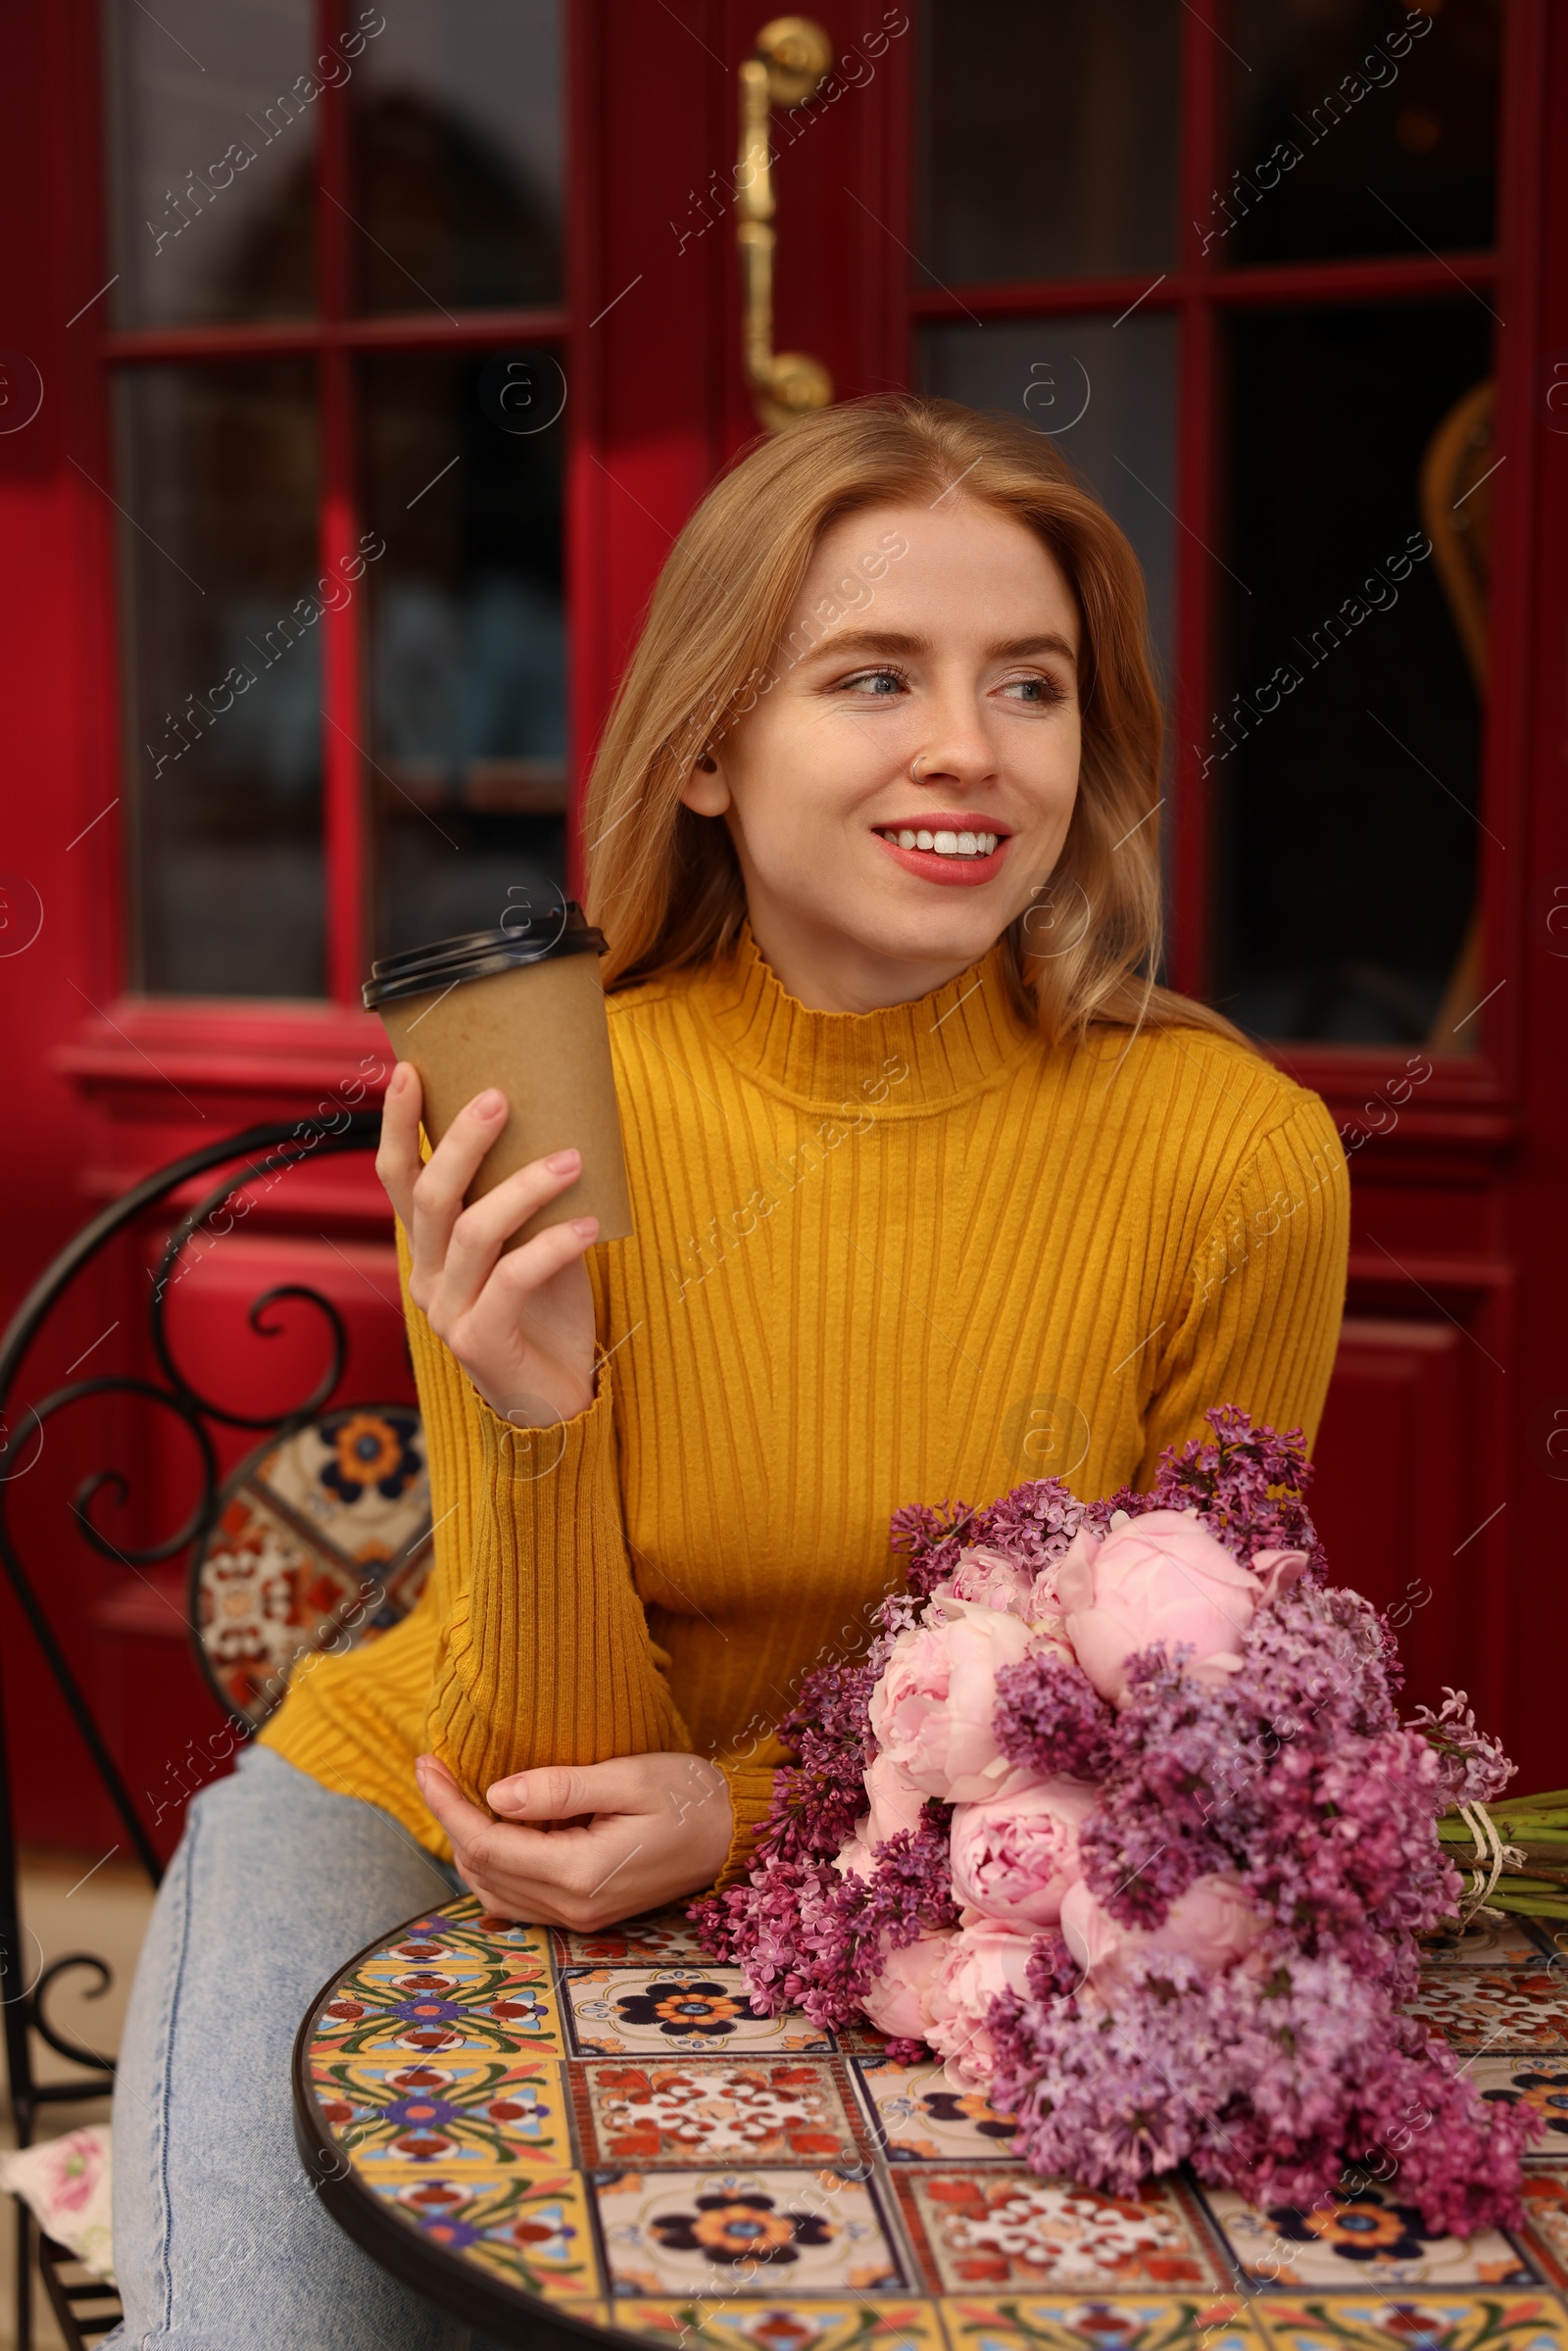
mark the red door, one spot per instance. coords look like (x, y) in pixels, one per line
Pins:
(383, 354)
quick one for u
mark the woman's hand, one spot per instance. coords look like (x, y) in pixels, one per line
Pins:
(521, 1325)
(644, 1828)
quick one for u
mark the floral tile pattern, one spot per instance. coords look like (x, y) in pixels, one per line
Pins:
(1497, 1941)
(728, 2110)
(1486, 2008)
(920, 2119)
(887, 2324)
(1539, 2082)
(1131, 2323)
(1366, 2239)
(747, 2233)
(431, 1996)
(1418, 2323)
(1545, 2229)
(654, 1941)
(319, 1537)
(530, 2228)
(605, 2121)
(619, 2012)
(990, 2228)
(469, 2113)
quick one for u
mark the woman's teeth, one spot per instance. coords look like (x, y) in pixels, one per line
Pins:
(946, 845)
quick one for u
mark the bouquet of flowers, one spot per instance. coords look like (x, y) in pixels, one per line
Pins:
(1119, 1819)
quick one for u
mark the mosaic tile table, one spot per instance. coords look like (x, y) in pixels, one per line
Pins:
(558, 2136)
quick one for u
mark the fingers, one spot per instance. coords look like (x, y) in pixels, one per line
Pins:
(445, 1176)
(480, 1230)
(397, 1158)
(461, 1820)
(560, 1791)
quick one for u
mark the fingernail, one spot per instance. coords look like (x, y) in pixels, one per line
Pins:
(398, 1080)
(559, 1161)
(587, 1226)
(490, 1103)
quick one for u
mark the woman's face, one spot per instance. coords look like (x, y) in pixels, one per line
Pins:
(906, 785)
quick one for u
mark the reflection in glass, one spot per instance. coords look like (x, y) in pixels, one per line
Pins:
(214, 116)
(1360, 128)
(463, 460)
(1105, 394)
(457, 157)
(217, 474)
(1346, 749)
(1048, 137)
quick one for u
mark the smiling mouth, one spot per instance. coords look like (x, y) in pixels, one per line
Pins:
(943, 843)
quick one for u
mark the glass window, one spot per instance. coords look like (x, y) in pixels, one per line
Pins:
(1360, 128)
(466, 649)
(214, 119)
(457, 157)
(1346, 747)
(219, 482)
(1048, 137)
(436, 730)
(1105, 394)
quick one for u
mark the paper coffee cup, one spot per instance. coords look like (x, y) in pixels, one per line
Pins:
(522, 1008)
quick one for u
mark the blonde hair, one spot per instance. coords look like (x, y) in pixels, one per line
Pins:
(665, 883)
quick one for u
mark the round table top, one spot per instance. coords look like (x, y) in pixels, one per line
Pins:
(557, 2135)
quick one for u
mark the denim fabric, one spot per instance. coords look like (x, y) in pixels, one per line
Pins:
(221, 2243)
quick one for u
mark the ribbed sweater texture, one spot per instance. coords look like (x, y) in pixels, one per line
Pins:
(909, 1256)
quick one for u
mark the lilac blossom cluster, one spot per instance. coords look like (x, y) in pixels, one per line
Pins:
(1118, 1817)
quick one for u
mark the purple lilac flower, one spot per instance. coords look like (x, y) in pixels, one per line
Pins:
(1294, 1775)
(1472, 1765)
(1051, 1718)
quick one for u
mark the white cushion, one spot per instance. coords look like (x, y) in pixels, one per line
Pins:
(66, 2183)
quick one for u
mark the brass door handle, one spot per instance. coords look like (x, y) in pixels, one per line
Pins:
(791, 61)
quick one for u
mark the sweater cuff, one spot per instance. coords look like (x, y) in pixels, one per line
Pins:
(534, 1456)
(751, 1794)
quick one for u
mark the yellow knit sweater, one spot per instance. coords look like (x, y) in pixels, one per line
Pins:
(880, 1259)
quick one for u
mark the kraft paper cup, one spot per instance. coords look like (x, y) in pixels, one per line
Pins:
(521, 1008)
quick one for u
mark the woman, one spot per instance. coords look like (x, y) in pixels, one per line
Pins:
(934, 1189)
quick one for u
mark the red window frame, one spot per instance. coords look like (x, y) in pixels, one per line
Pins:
(658, 400)
(1198, 291)
(332, 337)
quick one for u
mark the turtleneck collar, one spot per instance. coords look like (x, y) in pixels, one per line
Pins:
(960, 1039)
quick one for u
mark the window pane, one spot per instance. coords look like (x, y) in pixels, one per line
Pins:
(457, 157)
(214, 112)
(1048, 137)
(1108, 397)
(1360, 128)
(218, 477)
(462, 467)
(1347, 746)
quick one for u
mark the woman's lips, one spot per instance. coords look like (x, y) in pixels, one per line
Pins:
(950, 874)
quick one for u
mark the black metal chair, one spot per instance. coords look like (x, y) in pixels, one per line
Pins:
(277, 1567)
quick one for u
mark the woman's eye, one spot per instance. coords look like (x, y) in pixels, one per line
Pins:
(875, 683)
(1036, 690)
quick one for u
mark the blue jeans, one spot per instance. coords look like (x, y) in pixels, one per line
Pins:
(221, 2243)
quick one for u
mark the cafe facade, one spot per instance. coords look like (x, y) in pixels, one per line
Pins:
(360, 365)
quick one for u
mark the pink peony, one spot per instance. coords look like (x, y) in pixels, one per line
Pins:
(1014, 1856)
(855, 1858)
(990, 1580)
(1163, 1580)
(980, 1962)
(896, 2001)
(931, 1711)
(1213, 1923)
(894, 1800)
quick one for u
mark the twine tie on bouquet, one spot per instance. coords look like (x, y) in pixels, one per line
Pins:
(1492, 1856)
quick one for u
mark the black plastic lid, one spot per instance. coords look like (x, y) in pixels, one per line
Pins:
(479, 955)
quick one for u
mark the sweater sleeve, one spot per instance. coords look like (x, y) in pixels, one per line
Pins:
(1262, 1299)
(543, 1655)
